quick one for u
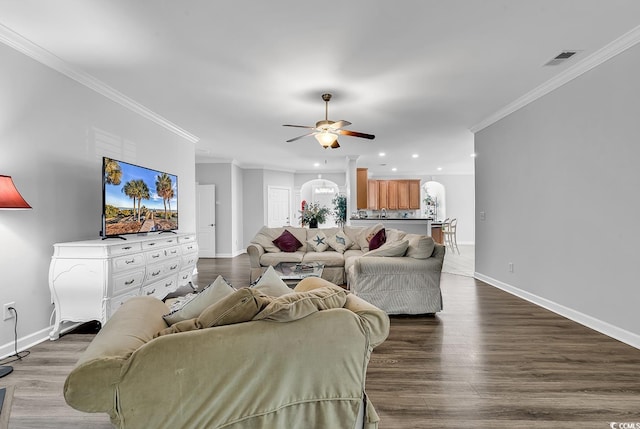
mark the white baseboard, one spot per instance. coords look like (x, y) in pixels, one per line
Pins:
(584, 319)
(231, 255)
(33, 339)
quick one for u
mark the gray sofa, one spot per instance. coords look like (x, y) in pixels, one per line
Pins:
(401, 277)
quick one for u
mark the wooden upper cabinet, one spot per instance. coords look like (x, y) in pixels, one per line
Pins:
(383, 194)
(362, 179)
(403, 194)
(372, 195)
(392, 195)
(414, 194)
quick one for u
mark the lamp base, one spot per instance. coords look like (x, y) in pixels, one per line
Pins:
(5, 370)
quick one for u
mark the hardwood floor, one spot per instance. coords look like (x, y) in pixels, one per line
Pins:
(489, 360)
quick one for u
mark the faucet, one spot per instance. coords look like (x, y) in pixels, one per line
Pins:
(383, 213)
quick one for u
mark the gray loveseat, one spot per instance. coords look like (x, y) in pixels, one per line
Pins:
(400, 277)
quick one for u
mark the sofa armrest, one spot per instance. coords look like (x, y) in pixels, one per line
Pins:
(91, 384)
(255, 251)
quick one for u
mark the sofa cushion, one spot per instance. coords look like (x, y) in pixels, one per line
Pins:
(394, 234)
(329, 258)
(192, 307)
(340, 241)
(318, 242)
(240, 306)
(297, 305)
(271, 284)
(420, 246)
(265, 238)
(378, 239)
(287, 242)
(274, 258)
(397, 248)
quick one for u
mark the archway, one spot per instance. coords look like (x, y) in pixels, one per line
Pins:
(319, 191)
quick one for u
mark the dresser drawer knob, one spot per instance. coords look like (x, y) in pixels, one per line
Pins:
(130, 282)
(152, 292)
(131, 261)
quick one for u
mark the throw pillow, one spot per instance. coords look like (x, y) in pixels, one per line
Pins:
(397, 248)
(240, 306)
(318, 242)
(297, 305)
(287, 242)
(191, 308)
(378, 239)
(271, 284)
(340, 242)
(420, 246)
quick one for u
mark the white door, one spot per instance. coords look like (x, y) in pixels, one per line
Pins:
(206, 220)
(278, 206)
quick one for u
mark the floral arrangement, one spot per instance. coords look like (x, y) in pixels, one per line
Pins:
(312, 214)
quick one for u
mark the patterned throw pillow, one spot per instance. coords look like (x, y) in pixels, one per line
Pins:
(287, 242)
(340, 242)
(318, 242)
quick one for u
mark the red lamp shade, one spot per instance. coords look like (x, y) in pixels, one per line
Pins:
(10, 198)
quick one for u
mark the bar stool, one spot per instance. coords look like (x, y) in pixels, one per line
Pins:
(449, 227)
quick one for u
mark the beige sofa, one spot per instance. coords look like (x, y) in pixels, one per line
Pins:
(395, 280)
(307, 373)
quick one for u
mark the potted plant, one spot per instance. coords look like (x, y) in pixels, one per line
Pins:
(312, 214)
(340, 209)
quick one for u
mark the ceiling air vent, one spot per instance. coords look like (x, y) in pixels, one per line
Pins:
(561, 58)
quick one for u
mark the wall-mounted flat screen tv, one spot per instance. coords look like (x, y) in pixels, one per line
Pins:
(137, 200)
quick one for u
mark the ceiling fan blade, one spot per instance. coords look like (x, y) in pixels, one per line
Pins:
(340, 124)
(335, 145)
(355, 134)
(298, 126)
(299, 137)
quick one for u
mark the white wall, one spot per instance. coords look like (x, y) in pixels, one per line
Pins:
(52, 137)
(221, 175)
(558, 181)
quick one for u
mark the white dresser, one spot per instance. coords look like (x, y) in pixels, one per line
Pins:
(90, 279)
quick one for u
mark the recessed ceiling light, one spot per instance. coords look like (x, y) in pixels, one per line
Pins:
(415, 155)
(473, 155)
(382, 154)
(316, 164)
(394, 169)
(439, 169)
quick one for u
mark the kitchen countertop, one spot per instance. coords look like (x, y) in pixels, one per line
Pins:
(393, 219)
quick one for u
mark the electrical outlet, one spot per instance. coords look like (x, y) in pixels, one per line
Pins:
(510, 267)
(8, 314)
(483, 216)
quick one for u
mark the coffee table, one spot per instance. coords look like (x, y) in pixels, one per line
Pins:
(292, 272)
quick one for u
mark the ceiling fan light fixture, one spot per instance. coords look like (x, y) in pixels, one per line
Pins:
(326, 139)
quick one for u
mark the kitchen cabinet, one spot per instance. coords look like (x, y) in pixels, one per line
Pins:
(392, 195)
(362, 177)
(372, 195)
(414, 194)
(383, 194)
(403, 194)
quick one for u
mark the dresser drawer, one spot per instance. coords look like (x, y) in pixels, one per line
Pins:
(122, 263)
(161, 288)
(154, 256)
(189, 238)
(189, 260)
(188, 248)
(127, 281)
(124, 248)
(160, 242)
(185, 277)
(155, 272)
(172, 252)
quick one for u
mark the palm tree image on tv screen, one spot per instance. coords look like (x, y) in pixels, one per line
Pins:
(138, 199)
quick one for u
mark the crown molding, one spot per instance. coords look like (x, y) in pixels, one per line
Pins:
(619, 45)
(21, 44)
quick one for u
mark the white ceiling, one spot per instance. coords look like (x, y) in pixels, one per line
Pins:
(417, 74)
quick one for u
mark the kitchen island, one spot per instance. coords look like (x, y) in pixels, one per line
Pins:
(411, 225)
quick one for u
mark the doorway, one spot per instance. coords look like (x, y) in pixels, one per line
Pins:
(322, 192)
(206, 220)
(278, 206)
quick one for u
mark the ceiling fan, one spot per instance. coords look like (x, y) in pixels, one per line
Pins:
(326, 131)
